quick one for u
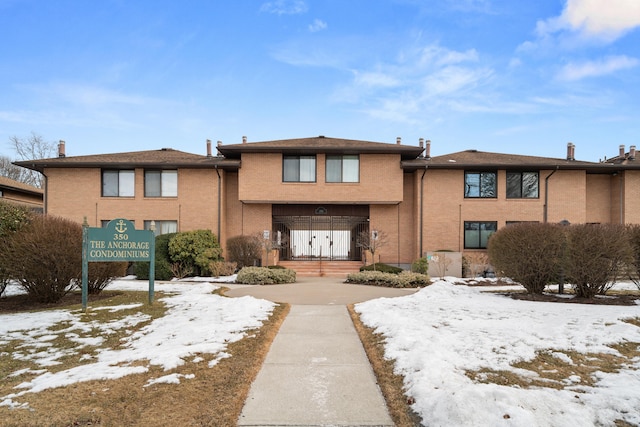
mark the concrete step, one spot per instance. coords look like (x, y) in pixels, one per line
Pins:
(317, 268)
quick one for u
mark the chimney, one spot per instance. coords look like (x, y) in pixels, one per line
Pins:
(244, 139)
(622, 151)
(398, 140)
(218, 147)
(61, 149)
(421, 143)
(208, 148)
(427, 153)
(571, 151)
(632, 152)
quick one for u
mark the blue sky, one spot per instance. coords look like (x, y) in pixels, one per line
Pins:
(522, 77)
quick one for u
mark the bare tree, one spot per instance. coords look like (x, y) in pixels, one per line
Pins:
(372, 241)
(11, 171)
(31, 148)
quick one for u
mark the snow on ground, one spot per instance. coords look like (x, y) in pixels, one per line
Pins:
(440, 332)
(212, 322)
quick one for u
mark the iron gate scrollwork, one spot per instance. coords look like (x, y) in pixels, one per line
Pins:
(307, 237)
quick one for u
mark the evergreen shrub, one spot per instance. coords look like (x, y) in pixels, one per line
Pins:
(381, 267)
(391, 280)
(265, 276)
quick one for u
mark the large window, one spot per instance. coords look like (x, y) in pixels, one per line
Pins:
(299, 169)
(480, 184)
(522, 185)
(162, 226)
(161, 183)
(477, 233)
(118, 183)
(343, 168)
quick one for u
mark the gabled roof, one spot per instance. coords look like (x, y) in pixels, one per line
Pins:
(19, 186)
(481, 160)
(319, 144)
(165, 158)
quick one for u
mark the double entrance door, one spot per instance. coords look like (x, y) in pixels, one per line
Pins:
(307, 232)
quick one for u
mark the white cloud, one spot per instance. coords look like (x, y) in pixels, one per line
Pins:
(284, 7)
(317, 25)
(602, 19)
(574, 71)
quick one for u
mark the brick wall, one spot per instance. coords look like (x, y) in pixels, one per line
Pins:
(260, 180)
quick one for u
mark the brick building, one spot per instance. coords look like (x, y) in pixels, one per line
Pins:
(315, 196)
(21, 194)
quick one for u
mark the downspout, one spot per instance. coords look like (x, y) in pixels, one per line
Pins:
(546, 194)
(219, 198)
(45, 203)
(422, 208)
(621, 198)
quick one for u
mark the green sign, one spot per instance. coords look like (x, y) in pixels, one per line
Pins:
(118, 241)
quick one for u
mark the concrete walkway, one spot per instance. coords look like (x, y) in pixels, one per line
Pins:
(316, 372)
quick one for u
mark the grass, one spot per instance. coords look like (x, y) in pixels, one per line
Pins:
(214, 397)
(391, 385)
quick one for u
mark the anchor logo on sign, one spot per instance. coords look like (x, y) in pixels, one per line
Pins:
(121, 227)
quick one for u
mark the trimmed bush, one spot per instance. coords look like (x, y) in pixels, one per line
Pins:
(194, 250)
(265, 276)
(596, 257)
(163, 262)
(12, 219)
(420, 266)
(246, 251)
(222, 268)
(102, 273)
(45, 257)
(529, 253)
(383, 268)
(633, 233)
(377, 278)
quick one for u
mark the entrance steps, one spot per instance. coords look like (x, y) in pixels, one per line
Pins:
(317, 268)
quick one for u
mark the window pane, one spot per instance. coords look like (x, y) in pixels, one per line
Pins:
(126, 182)
(152, 183)
(530, 184)
(514, 185)
(488, 183)
(334, 169)
(472, 185)
(350, 169)
(487, 229)
(291, 169)
(110, 183)
(307, 168)
(169, 183)
(471, 235)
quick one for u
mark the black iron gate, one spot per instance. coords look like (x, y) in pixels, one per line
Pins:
(307, 237)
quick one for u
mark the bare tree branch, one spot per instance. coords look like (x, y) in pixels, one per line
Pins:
(31, 148)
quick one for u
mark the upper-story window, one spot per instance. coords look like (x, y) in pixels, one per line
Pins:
(343, 168)
(160, 183)
(523, 185)
(118, 183)
(480, 184)
(299, 169)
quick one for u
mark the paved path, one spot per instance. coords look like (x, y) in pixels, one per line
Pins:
(316, 372)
